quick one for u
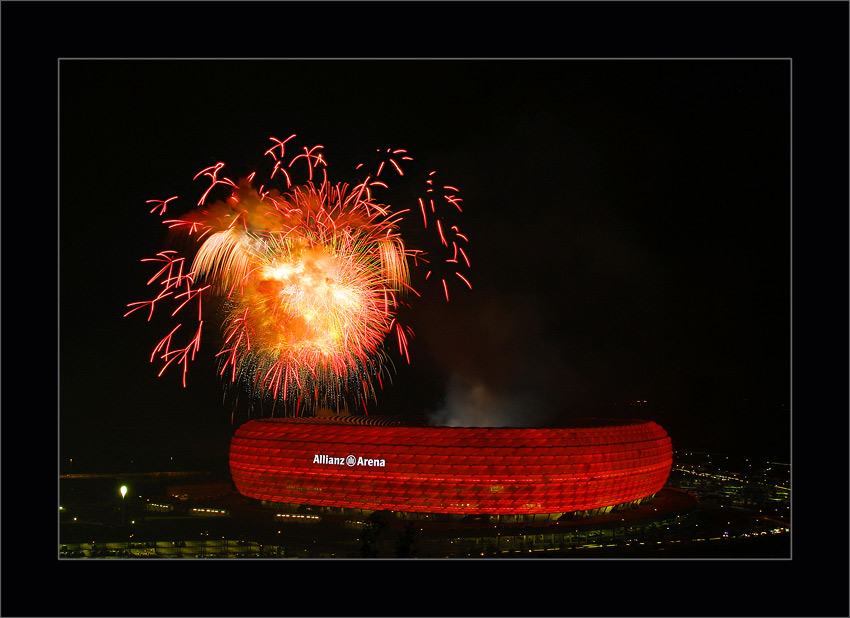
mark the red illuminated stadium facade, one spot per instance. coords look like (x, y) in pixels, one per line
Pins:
(355, 462)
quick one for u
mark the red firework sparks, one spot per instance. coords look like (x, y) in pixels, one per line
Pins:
(309, 277)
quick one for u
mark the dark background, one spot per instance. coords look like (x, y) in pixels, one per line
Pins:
(630, 227)
(633, 239)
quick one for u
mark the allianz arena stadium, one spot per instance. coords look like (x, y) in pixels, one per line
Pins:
(385, 463)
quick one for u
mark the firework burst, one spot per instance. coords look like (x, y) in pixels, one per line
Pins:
(306, 278)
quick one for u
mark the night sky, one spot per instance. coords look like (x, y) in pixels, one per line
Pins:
(630, 227)
(630, 216)
(635, 231)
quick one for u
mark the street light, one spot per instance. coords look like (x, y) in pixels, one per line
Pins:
(123, 491)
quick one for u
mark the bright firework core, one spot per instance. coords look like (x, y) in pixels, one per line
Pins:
(308, 280)
(314, 292)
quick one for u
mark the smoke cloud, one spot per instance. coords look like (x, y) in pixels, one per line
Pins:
(472, 403)
(503, 370)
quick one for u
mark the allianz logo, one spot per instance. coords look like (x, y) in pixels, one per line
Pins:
(351, 461)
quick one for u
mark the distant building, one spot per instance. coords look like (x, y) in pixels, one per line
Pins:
(199, 491)
(381, 463)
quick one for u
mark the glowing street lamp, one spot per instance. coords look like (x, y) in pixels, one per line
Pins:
(123, 491)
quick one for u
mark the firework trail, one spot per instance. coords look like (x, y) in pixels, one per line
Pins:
(306, 280)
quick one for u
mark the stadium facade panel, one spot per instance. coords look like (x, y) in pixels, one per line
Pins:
(352, 462)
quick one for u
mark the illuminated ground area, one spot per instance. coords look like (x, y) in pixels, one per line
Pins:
(741, 515)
